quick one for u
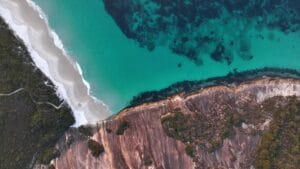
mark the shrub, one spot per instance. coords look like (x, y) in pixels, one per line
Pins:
(176, 125)
(190, 150)
(47, 155)
(51, 167)
(95, 147)
(122, 127)
(215, 145)
(86, 130)
(147, 161)
(108, 130)
(280, 145)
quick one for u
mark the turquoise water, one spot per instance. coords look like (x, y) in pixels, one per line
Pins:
(118, 69)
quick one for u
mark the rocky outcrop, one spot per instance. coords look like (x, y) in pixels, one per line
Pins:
(145, 144)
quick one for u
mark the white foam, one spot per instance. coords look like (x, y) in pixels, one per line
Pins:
(71, 86)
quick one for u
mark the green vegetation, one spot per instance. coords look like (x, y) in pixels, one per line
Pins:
(108, 130)
(95, 147)
(29, 127)
(231, 120)
(215, 145)
(208, 130)
(176, 125)
(190, 150)
(147, 160)
(86, 130)
(280, 145)
(196, 130)
(48, 153)
(51, 167)
(191, 130)
(122, 127)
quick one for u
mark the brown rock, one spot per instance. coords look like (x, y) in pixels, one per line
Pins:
(145, 145)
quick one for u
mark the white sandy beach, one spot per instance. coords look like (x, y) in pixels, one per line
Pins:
(30, 24)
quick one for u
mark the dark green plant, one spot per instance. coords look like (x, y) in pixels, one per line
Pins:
(86, 130)
(29, 126)
(95, 147)
(122, 127)
(215, 145)
(147, 161)
(176, 125)
(51, 166)
(280, 145)
(47, 155)
(108, 130)
(190, 150)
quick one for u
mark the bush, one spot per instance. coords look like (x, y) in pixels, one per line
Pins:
(176, 125)
(122, 127)
(147, 161)
(95, 147)
(86, 130)
(280, 145)
(190, 150)
(28, 128)
(51, 167)
(108, 130)
(215, 145)
(47, 155)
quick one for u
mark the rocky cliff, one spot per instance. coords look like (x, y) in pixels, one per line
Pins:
(216, 127)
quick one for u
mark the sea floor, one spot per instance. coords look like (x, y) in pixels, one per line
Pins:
(118, 68)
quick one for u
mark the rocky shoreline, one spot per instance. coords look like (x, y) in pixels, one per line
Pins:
(146, 142)
(233, 78)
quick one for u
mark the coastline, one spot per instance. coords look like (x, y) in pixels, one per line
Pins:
(50, 57)
(253, 100)
(231, 79)
(264, 87)
(66, 73)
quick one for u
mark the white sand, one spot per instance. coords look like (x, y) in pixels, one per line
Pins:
(30, 24)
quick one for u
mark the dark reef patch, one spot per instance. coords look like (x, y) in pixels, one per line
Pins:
(194, 28)
(219, 54)
(232, 78)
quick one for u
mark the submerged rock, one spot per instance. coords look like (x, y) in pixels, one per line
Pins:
(192, 28)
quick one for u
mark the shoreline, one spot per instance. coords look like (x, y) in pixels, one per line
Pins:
(49, 56)
(264, 87)
(231, 79)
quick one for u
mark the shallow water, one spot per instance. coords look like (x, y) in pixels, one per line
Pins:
(118, 68)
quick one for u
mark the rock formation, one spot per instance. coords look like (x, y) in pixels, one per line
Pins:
(144, 142)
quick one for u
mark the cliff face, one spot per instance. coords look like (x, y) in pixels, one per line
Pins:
(147, 141)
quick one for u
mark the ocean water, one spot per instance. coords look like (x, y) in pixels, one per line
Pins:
(119, 67)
